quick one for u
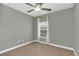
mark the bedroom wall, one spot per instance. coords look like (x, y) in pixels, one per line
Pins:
(35, 34)
(14, 26)
(61, 25)
(76, 40)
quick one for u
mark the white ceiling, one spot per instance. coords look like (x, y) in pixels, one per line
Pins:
(24, 8)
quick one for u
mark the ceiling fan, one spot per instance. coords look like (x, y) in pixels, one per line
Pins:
(37, 7)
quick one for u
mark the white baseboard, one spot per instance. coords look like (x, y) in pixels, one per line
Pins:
(75, 52)
(68, 48)
(6, 50)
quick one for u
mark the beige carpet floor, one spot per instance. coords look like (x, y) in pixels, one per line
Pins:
(38, 49)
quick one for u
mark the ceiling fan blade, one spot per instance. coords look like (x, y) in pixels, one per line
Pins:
(37, 3)
(29, 4)
(47, 9)
(30, 10)
(40, 4)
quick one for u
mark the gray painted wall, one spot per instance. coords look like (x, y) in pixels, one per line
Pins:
(14, 26)
(76, 40)
(61, 27)
(35, 28)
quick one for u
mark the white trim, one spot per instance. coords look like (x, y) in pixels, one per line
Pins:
(6, 50)
(48, 30)
(38, 28)
(68, 48)
(75, 52)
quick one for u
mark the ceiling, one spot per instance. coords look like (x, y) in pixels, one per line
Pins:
(22, 7)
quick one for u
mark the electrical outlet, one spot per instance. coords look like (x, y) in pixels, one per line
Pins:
(18, 41)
